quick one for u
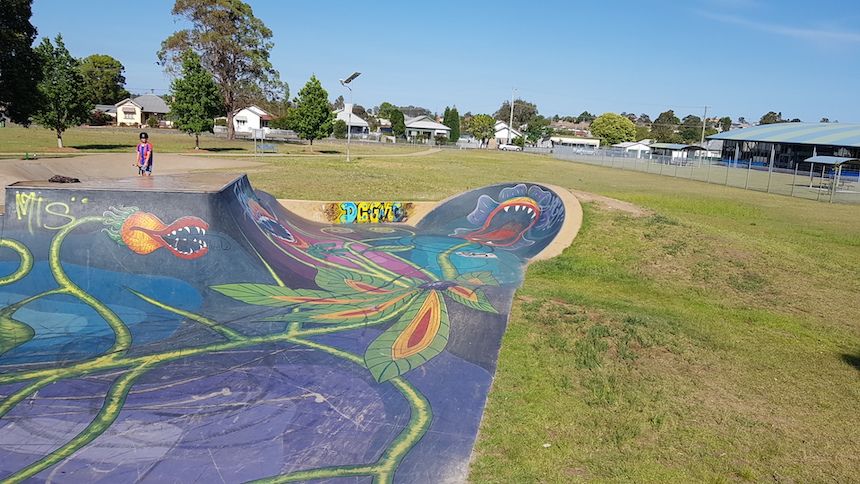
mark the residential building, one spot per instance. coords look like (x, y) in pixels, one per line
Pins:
(425, 129)
(108, 109)
(251, 118)
(136, 111)
(569, 141)
(356, 125)
(505, 134)
(676, 151)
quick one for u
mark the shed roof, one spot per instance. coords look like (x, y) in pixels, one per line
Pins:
(424, 122)
(675, 146)
(830, 160)
(831, 134)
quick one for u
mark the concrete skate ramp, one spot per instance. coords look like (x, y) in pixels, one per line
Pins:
(190, 329)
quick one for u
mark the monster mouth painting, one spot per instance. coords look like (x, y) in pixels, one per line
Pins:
(507, 223)
(145, 233)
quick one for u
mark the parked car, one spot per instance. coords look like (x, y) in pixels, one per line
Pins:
(507, 147)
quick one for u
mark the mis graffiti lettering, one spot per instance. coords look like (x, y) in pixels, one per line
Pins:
(42, 213)
(367, 212)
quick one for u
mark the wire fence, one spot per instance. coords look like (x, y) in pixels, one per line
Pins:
(813, 182)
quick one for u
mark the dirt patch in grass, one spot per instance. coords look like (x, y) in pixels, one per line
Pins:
(612, 203)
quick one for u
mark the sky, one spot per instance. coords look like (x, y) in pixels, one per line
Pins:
(739, 57)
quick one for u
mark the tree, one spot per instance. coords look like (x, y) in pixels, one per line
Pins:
(398, 123)
(64, 104)
(483, 127)
(742, 120)
(103, 79)
(690, 129)
(725, 123)
(338, 103)
(663, 128)
(385, 110)
(311, 118)
(339, 129)
(451, 119)
(233, 45)
(413, 111)
(20, 71)
(771, 118)
(585, 117)
(523, 112)
(642, 132)
(795, 120)
(613, 128)
(824, 120)
(643, 119)
(537, 128)
(196, 100)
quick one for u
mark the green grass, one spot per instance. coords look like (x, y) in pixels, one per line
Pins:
(15, 139)
(714, 339)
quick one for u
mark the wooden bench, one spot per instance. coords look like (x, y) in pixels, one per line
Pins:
(267, 148)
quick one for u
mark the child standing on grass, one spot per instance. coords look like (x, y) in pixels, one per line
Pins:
(144, 156)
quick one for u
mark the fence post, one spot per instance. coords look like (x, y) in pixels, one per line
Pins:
(728, 166)
(708, 176)
(675, 173)
(819, 185)
(770, 166)
(749, 167)
(661, 167)
(794, 180)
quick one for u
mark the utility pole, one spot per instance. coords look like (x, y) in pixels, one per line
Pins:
(511, 125)
(704, 123)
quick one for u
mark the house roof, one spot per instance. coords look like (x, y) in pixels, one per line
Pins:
(831, 134)
(425, 122)
(629, 144)
(504, 126)
(354, 120)
(150, 103)
(105, 108)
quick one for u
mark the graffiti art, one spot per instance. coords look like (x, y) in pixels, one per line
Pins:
(211, 335)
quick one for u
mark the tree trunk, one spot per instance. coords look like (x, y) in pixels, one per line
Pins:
(196, 141)
(59, 139)
(231, 132)
(312, 141)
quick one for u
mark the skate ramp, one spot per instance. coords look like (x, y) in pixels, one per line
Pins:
(189, 328)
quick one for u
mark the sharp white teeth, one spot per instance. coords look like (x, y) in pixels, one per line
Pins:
(173, 233)
(203, 231)
(517, 208)
(533, 215)
(507, 208)
(529, 210)
(187, 230)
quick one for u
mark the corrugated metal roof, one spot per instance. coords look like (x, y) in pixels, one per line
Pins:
(150, 103)
(834, 134)
(675, 146)
(829, 160)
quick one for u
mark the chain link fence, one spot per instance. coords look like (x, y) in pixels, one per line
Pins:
(814, 182)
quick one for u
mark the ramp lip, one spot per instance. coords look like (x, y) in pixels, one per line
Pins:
(169, 183)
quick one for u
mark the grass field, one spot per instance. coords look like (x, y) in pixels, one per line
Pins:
(17, 140)
(713, 337)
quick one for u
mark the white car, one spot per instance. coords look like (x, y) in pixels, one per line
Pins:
(507, 147)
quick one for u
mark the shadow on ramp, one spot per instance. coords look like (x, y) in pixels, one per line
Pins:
(190, 328)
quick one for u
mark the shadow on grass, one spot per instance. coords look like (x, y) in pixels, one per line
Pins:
(103, 146)
(218, 150)
(330, 152)
(853, 360)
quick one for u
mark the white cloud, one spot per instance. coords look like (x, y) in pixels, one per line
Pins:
(811, 34)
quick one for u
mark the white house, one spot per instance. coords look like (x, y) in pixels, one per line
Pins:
(504, 133)
(425, 128)
(638, 148)
(135, 112)
(675, 150)
(355, 124)
(572, 141)
(253, 117)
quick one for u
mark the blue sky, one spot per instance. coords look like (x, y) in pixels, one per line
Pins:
(741, 57)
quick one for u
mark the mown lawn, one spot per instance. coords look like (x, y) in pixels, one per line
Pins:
(15, 139)
(716, 337)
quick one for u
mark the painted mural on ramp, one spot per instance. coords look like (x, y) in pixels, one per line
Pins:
(191, 329)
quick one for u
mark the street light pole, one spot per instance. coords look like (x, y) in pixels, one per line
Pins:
(511, 125)
(345, 83)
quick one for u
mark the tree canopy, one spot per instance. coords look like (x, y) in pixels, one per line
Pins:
(585, 117)
(725, 123)
(311, 118)
(771, 118)
(233, 45)
(482, 127)
(537, 128)
(196, 100)
(523, 112)
(64, 104)
(613, 128)
(663, 128)
(20, 71)
(103, 79)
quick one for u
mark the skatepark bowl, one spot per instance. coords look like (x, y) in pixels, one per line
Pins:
(188, 328)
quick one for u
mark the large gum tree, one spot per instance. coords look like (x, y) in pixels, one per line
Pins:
(232, 44)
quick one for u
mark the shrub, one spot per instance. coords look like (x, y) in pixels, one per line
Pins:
(221, 122)
(152, 121)
(100, 118)
(340, 129)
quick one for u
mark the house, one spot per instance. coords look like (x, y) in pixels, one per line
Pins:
(569, 141)
(637, 148)
(253, 117)
(108, 109)
(425, 129)
(136, 111)
(384, 126)
(504, 134)
(356, 125)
